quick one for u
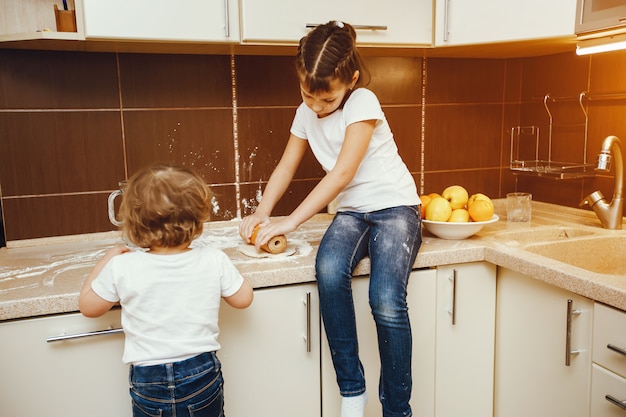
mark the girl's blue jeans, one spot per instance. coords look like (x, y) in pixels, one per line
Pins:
(189, 388)
(391, 238)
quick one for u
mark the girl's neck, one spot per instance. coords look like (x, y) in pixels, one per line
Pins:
(169, 250)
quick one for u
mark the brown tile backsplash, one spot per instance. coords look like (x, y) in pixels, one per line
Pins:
(55, 215)
(462, 136)
(396, 80)
(52, 152)
(561, 75)
(607, 73)
(263, 135)
(175, 81)
(465, 81)
(74, 124)
(57, 80)
(266, 81)
(198, 138)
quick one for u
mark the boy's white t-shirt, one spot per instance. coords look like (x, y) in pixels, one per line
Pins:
(382, 180)
(170, 303)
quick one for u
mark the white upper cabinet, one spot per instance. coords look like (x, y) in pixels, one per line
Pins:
(160, 20)
(35, 19)
(461, 22)
(271, 354)
(391, 22)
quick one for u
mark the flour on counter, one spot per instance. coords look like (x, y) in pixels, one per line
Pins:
(47, 266)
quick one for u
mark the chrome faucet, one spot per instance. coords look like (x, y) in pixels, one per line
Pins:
(610, 214)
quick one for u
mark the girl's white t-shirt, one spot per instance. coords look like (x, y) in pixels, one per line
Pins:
(170, 303)
(382, 180)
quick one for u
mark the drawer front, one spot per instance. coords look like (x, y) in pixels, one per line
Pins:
(603, 384)
(609, 339)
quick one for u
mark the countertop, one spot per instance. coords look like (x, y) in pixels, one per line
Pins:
(43, 276)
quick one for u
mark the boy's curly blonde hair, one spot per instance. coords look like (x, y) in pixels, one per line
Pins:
(164, 206)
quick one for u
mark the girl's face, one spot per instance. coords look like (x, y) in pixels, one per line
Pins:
(325, 103)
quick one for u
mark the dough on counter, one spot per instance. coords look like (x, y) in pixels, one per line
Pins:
(251, 251)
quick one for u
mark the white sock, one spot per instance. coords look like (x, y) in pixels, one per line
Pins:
(353, 406)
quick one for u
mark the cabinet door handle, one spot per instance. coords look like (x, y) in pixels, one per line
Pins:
(452, 310)
(446, 32)
(617, 349)
(356, 27)
(568, 338)
(227, 20)
(86, 334)
(307, 338)
(620, 403)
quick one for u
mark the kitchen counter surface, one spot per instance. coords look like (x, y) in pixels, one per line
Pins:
(43, 276)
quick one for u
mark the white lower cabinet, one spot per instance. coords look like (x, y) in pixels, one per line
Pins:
(74, 377)
(271, 354)
(466, 310)
(452, 362)
(543, 349)
(608, 375)
(608, 393)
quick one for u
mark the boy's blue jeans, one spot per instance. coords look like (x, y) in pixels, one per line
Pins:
(189, 388)
(391, 238)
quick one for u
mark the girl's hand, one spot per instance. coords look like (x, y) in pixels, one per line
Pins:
(248, 224)
(274, 228)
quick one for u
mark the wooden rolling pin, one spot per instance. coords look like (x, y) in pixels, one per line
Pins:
(275, 245)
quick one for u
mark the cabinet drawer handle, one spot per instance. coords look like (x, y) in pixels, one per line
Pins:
(81, 335)
(356, 27)
(568, 338)
(307, 303)
(617, 349)
(621, 404)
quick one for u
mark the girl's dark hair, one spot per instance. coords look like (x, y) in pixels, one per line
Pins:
(328, 52)
(165, 206)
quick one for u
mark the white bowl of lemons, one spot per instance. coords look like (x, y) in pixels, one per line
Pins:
(456, 230)
(454, 214)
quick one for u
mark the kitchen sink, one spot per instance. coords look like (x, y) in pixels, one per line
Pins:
(544, 234)
(601, 254)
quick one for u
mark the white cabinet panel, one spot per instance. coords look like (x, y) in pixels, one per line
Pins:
(71, 378)
(485, 21)
(532, 376)
(277, 21)
(608, 393)
(271, 354)
(466, 309)
(182, 20)
(609, 338)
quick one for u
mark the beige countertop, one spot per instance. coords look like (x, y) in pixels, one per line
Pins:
(43, 276)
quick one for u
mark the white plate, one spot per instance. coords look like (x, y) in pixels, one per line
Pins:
(456, 230)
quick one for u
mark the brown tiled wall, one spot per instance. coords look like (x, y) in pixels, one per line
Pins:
(74, 124)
